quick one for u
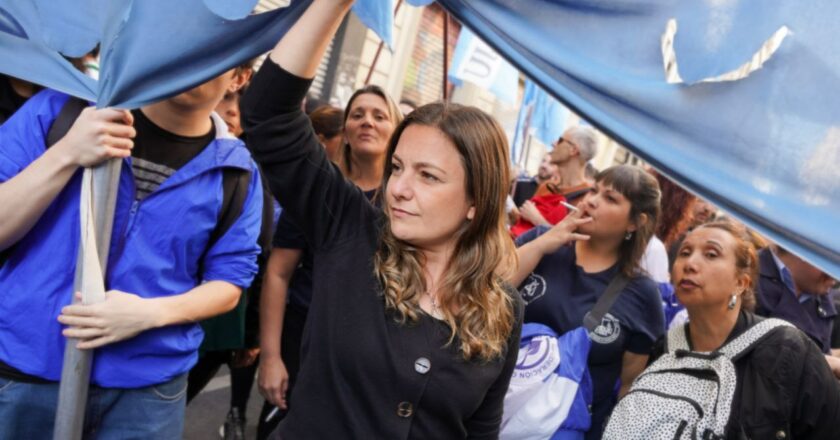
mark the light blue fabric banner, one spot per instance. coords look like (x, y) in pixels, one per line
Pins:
(475, 62)
(541, 116)
(150, 49)
(378, 16)
(765, 148)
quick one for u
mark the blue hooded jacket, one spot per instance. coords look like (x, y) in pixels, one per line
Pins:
(156, 248)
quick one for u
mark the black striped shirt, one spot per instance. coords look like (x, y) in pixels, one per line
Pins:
(158, 153)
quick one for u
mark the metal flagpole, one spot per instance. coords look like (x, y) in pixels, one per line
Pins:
(379, 49)
(97, 202)
(445, 55)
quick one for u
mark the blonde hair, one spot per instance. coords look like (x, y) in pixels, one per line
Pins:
(344, 161)
(472, 296)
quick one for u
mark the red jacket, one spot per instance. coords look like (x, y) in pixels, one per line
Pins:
(549, 206)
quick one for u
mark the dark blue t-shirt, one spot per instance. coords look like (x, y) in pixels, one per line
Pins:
(288, 235)
(559, 293)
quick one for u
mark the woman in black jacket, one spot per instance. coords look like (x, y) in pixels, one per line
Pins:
(411, 331)
(785, 389)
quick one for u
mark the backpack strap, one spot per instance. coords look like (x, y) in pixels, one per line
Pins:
(65, 119)
(235, 182)
(737, 347)
(234, 191)
(741, 345)
(594, 317)
(267, 226)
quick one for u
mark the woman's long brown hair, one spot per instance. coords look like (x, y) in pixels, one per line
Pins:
(472, 294)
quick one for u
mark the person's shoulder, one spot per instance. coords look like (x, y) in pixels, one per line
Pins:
(658, 349)
(287, 234)
(790, 336)
(642, 299)
(656, 245)
(785, 343)
(644, 285)
(44, 105)
(48, 97)
(518, 308)
(782, 354)
(564, 255)
(231, 151)
(516, 299)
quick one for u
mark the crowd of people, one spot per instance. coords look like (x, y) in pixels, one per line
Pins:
(381, 273)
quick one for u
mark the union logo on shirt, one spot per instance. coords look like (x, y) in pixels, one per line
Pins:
(533, 288)
(608, 331)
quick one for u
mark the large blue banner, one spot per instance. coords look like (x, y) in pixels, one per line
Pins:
(737, 100)
(747, 115)
(150, 49)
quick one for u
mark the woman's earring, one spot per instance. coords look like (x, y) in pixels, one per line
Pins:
(732, 301)
(628, 236)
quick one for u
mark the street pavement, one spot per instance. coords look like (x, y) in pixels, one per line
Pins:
(206, 413)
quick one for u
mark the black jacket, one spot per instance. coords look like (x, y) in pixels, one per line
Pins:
(362, 374)
(785, 388)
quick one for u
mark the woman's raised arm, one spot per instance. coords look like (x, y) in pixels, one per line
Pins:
(299, 52)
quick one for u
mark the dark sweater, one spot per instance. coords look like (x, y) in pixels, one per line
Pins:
(358, 377)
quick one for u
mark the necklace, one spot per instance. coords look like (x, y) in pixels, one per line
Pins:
(435, 309)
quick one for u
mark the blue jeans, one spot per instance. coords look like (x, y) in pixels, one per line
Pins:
(27, 411)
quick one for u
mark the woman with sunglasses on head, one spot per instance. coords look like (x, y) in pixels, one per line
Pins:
(565, 270)
(412, 332)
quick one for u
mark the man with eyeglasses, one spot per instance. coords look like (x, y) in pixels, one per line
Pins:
(570, 155)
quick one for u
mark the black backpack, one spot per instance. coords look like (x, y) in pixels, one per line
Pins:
(235, 183)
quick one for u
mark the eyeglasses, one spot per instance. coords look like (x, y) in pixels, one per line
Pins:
(561, 139)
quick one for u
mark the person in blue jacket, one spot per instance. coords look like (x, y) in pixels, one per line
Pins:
(563, 271)
(164, 273)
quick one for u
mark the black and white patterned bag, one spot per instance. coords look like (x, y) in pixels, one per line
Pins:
(684, 394)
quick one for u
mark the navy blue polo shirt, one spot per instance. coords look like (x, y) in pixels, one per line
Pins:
(288, 235)
(559, 293)
(814, 314)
